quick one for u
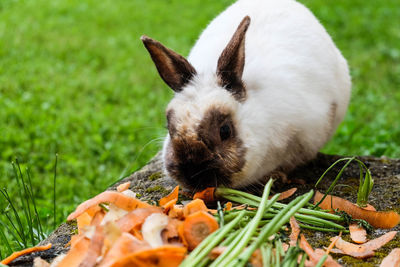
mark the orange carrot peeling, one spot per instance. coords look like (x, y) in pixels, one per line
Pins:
(118, 199)
(173, 196)
(286, 194)
(83, 221)
(123, 187)
(294, 235)
(393, 259)
(357, 233)
(176, 211)
(76, 254)
(378, 219)
(123, 246)
(194, 206)
(354, 250)
(23, 252)
(163, 256)
(228, 206)
(95, 247)
(198, 226)
(333, 242)
(376, 243)
(207, 194)
(316, 255)
(135, 218)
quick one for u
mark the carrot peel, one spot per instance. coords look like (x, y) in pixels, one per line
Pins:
(123, 187)
(23, 252)
(378, 219)
(358, 234)
(295, 232)
(393, 259)
(118, 199)
(194, 206)
(173, 196)
(207, 194)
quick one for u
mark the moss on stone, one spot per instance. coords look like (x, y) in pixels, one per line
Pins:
(157, 188)
(155, 176)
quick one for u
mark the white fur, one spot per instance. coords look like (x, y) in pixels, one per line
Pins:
(293, 74)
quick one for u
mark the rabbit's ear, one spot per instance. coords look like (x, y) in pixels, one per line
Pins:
(174, 69)
(231, 62)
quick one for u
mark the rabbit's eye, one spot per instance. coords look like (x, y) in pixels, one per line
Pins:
(224, 132)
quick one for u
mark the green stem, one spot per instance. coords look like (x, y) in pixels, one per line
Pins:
(265, 204)
(246, 198)
(305, 226)
(273, 226)
(321, 261)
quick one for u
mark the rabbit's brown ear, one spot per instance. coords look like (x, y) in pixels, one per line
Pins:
(174, 69)
(231, 62)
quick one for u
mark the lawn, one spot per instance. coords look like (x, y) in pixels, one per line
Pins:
(76, 81)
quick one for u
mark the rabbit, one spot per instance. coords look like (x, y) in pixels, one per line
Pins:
(262, 90)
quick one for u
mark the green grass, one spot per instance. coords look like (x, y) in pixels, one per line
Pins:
(75, 80)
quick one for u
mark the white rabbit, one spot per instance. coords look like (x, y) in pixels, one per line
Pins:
(251, 99)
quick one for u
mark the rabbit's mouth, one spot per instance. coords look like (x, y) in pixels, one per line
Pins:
(198, 176)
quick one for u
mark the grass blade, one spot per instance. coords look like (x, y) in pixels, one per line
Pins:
(27, 208)
(32, 196)
(54, 193)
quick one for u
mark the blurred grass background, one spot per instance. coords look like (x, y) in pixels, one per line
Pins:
(75, 80)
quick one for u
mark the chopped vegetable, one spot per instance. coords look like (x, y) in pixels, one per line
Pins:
(198, 226)
(364, 250)
(376, 243)
(176, 211)
(228, 206)
(393, 259)
(288, 193)
(76, 254)
(317, 255)
(207, 194)
(215, 252)
(116, 229)
(170, 233)
(83, 221)
(164, 256)
(124, 245)
(39, 262)
(354, 250)
(378, 219)
(95, 247)
(294, 235)
(152, 228)
(173, 196)
(135, 218)
(23, 252)
(123, 187)
(357, 233)
(333, 242)
(194, 206)
(118, 199)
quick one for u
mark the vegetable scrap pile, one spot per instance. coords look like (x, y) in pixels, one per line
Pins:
(117, 229)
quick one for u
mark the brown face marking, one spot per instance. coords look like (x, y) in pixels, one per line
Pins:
(174, 69)
(231, 62)
(206, 159)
